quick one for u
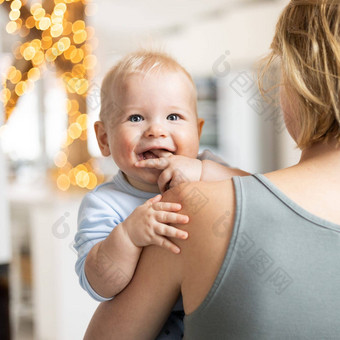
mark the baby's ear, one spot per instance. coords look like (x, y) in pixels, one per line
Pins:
(102, 138)
(200, 123)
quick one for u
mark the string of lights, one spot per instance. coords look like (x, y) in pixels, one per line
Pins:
(54, 33)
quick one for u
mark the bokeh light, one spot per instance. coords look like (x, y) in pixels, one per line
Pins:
(63, 182)
(91, 9)
(82, 179)
(46, 42)
(74, 130)
(35, 6)
(56, 30)
(11, 27)
(79, 37)
(56, 36)
(14, 14)
(60, 159)
(92, 181)
(82, 121)
(44, 23)
(29, 53)
(20, 88)
(16, 5)
(5, 95)
(38, 14)
(90, 62)
(77, 55)
(16, 77)
(38, 58)
(60, 9)
(33, 74)
(78, 25)
(30, 22)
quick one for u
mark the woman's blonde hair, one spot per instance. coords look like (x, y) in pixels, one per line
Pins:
(307, 43)
(139, 62)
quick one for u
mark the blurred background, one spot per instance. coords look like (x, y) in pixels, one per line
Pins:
(53, 56)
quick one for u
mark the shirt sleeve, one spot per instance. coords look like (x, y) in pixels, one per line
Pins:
(96, 220)
(208, 155)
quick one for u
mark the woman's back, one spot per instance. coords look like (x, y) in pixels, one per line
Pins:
(279, 276)
(314, 183)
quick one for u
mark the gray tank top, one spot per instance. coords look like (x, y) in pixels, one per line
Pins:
(280, 278)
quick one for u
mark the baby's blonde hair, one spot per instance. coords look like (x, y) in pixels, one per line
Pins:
(139, 62)
(307, 42)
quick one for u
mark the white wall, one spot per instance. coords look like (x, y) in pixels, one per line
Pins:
(246, 32)
(5, 245)
(62, 310)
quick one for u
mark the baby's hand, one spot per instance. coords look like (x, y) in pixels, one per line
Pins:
(148, 224)
(176, 170)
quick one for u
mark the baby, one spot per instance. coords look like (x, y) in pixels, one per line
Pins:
(149, 126)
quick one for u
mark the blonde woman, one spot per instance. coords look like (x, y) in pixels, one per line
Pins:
(263, 253)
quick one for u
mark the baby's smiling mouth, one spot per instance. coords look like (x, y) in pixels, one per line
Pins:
(154, 153)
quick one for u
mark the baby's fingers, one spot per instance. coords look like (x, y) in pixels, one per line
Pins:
(165, 243)
(166, 206)
(154, 163)
(155, 199)
(170, 217)
(168, 231)
(164, 179)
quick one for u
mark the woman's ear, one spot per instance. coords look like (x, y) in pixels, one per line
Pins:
(200, 123)
(102, 138)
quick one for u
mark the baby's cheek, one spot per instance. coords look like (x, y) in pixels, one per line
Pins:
(126, 145)
(192, 146)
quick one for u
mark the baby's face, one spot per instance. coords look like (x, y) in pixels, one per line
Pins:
(157, 119)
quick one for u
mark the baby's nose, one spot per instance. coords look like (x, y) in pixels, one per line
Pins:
(156, 131)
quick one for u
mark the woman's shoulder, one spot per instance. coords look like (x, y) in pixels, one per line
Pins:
(203, 199)
(206, 204)
(210, 207)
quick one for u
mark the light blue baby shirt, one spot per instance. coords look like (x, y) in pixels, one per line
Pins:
(100, 211)
(103, 209)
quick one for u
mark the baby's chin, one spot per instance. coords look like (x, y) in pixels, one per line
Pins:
(151, 177)
(147, 182)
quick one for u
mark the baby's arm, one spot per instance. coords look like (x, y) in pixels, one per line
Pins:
(111, 263)
(180, 169)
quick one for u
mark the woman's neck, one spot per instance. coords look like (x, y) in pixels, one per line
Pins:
(322, 155)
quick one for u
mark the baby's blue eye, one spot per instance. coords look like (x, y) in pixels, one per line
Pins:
(173, 116)
(135, 118)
